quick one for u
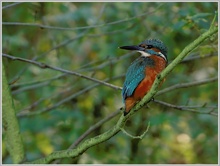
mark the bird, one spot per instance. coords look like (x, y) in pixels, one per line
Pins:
(143, 71)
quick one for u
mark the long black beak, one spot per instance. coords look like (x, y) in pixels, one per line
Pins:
(137, 48)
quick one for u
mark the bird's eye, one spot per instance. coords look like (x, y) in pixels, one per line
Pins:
(149, 46)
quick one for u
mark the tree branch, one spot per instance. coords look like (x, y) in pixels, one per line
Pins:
(12, 138)
(199, 57)
(45, 66)
(29, 88)
(188, 108)
(15, 86)
(121, 122)
(186, 85)
(25, 113)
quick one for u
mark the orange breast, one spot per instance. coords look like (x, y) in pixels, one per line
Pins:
(151, 73)
(146, 83)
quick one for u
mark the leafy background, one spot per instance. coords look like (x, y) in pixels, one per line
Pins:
(90, 46)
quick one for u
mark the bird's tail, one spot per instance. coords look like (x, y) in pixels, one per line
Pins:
(129, 103)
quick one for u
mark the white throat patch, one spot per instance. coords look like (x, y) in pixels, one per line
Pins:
(145, 54)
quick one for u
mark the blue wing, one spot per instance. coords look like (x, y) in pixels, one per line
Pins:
(134, 75)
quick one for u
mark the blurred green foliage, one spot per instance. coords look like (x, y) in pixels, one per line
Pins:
(90, 47)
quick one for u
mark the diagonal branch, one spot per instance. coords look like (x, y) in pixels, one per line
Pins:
(188, 108)
(186, 85)
(25, 114)
(45, 66)
(122, 120)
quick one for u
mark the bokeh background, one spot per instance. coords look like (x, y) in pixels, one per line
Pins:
(84, 37)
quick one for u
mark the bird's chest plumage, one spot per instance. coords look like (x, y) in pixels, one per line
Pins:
(141, 75)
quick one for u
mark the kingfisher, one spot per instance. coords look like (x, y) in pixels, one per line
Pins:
(142, 72)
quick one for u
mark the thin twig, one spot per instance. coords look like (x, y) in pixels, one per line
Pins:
(36, 103)
(45, 66)
(186, 108)
(186, 85)
(190, 58)
(30, 87)
(24, 114)
(37, 82)
(109, 62)
(80, 28)
(136, 137)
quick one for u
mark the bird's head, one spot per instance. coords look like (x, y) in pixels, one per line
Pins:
(150, 47)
